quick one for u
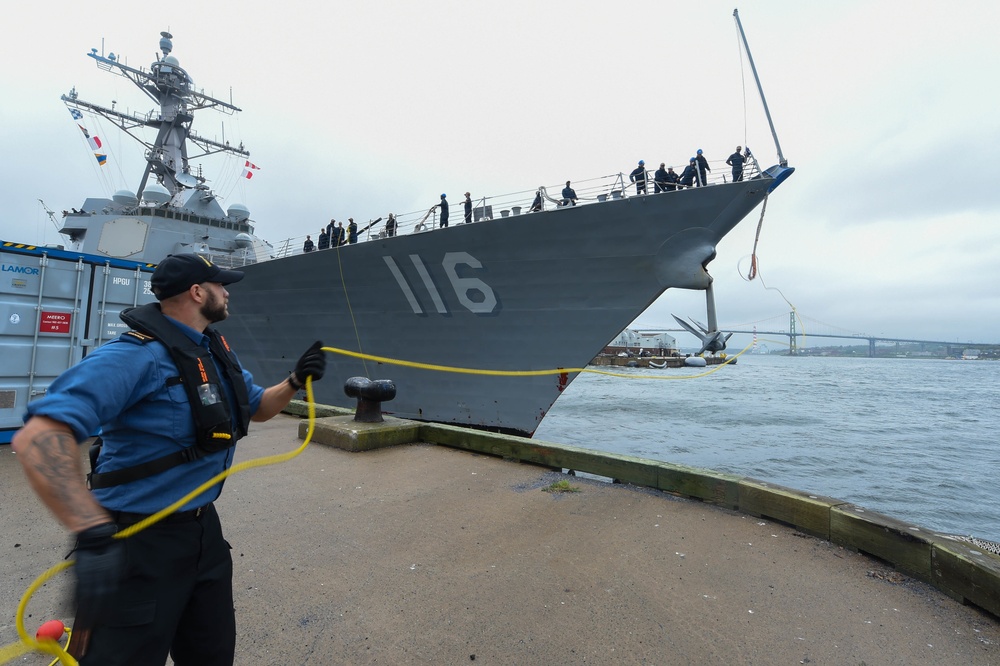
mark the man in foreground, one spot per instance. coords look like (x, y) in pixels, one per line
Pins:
(170, 400)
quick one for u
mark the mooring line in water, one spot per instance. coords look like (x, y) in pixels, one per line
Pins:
(520, 373)
(29, 643)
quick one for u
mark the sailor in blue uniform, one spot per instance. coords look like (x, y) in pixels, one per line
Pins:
(689, 174)
(736, 161)
(443, 220)
(170, 400)
(703, 169)
(569, 195)
(638, 176)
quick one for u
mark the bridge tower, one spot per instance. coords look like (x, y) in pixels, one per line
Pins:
(793, 348)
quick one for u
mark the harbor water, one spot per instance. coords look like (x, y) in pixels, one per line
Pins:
(912, 439)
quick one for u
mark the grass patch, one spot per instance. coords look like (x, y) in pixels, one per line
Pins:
(561, 487)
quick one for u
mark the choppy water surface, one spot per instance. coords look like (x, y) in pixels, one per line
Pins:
(913, 439)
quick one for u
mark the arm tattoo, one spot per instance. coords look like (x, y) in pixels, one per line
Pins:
(56, 464)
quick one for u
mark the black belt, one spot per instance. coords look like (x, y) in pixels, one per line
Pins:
(126, 518)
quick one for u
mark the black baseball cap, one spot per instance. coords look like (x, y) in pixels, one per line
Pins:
(176, 274)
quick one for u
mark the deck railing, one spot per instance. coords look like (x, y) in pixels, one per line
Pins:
(512, 204)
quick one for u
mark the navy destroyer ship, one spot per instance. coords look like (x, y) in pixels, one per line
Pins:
(475, 326)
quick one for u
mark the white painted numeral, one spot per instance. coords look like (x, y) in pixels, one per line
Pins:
(418, 264)
(463, 286)
(472, 293)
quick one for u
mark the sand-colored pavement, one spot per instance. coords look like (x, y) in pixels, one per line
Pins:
(420, 554)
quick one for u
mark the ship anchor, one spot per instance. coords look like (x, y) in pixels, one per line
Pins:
(712, 339)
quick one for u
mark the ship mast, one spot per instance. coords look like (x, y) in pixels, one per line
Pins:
(170, 86)
(781, 158)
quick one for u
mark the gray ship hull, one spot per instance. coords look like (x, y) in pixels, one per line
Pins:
(532, 292)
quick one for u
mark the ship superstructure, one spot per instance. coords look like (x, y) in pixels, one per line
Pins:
(172, 209)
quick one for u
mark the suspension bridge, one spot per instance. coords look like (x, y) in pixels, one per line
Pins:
(797, 332)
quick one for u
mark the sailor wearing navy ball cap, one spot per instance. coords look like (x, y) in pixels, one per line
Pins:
(689, 173)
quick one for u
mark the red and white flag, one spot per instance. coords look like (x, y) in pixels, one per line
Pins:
(248, 174)
(94, 141)
(251, 165)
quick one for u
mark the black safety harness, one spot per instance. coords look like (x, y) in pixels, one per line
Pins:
(210, 409)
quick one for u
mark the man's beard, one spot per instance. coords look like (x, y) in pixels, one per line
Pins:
(214, 309)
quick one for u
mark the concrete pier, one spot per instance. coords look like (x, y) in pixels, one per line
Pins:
(428, 554)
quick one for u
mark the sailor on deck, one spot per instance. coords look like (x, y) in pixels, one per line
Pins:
(736, 161)
(638, 176)
(443, 220)
(568, 195)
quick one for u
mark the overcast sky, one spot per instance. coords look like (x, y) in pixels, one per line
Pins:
(888, 110)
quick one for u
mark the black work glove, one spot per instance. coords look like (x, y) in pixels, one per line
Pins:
(312, 364)
(100, 560)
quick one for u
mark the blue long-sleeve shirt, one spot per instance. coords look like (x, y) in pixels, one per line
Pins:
(121, 388)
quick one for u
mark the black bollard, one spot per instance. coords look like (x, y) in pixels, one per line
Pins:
(371, 393)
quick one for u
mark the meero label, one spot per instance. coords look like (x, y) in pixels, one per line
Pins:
(55, 322)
